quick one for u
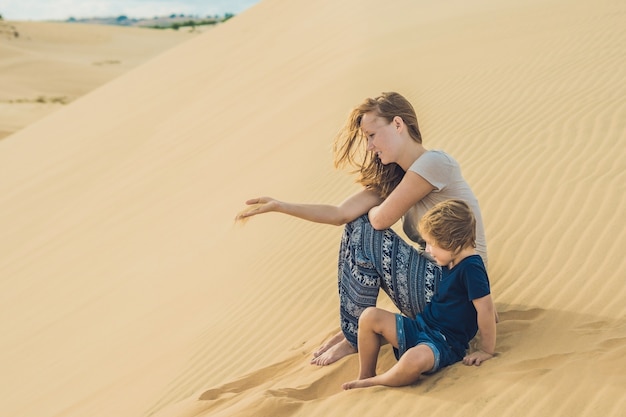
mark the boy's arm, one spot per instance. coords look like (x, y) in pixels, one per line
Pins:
(487, 326)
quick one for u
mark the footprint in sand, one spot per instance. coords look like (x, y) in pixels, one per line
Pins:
(539, 366)
(219, 393)
(531, 314)
(512, 325)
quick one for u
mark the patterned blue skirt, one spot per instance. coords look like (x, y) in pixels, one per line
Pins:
(371, 259)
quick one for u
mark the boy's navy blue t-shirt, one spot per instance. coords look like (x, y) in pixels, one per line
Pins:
(451, 310)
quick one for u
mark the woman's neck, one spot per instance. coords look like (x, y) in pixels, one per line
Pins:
(411, 154)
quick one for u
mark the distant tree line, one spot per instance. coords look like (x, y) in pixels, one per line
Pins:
(191, 22)
(172, 21)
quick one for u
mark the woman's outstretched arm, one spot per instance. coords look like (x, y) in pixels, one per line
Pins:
(351, 208)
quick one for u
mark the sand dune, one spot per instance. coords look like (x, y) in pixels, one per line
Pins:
(46, 65)
(127, 289)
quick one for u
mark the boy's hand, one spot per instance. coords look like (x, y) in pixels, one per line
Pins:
(487, 328)
(476, 358)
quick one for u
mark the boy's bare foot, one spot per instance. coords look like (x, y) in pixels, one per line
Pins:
(332, 342)
(334, 353)
(359, 383)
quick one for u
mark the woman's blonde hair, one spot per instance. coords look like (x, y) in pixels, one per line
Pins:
(451, 224)
(350, 143)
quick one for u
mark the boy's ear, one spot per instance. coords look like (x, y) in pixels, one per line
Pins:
(458, 250)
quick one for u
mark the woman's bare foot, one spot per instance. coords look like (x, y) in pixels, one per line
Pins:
(359, 383)
(332, 342)
(334, 353)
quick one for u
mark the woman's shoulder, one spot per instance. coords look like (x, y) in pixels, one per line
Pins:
(434, 157)
(440, 154)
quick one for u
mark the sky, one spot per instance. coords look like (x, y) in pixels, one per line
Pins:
(64, 9)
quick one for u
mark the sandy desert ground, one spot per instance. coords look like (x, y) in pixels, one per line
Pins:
(46, 65)
(127, 289)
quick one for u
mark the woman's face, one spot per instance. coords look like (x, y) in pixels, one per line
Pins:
(382, 137)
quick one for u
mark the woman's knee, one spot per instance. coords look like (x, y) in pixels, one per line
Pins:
(355, 224)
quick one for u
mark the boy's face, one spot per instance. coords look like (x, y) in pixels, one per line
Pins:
(442, 256)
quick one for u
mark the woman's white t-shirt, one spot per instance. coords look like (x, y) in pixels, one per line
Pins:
(444, 174)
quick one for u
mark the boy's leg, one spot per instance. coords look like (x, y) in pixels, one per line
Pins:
(406, 371)
(375, 327)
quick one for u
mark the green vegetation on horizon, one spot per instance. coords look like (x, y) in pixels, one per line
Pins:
(191, 23)
(172, 21)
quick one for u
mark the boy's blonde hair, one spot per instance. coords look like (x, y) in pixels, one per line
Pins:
(451, 224)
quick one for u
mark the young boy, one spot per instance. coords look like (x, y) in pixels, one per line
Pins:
(440, 335)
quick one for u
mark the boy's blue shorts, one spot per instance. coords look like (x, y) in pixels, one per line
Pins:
(413, 332)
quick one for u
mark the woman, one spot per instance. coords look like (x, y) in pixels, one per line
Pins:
(401, 180)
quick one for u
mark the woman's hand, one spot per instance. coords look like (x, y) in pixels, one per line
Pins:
(258, 206)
